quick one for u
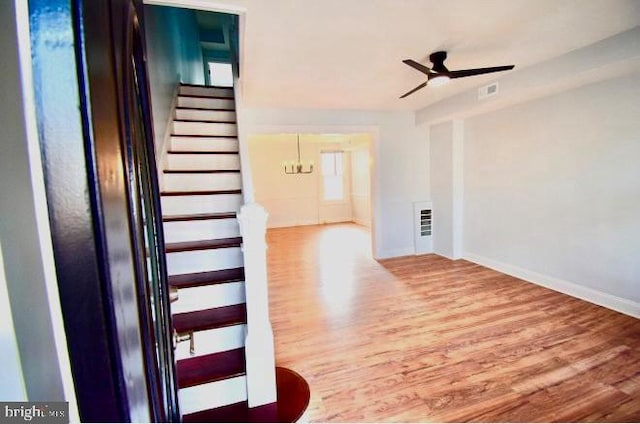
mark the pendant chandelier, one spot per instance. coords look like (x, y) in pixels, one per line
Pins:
(297, 167)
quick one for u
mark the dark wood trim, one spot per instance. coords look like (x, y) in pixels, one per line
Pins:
(197, 96)
(293, 400)
(209, 368)
(205, 108)
(205, 86)
(209, 319)
(206, 278)
(199, 193)
(201, 171)
(204, 136)
(201, 152)
(204, 121)
(199, 217)
(189, 246)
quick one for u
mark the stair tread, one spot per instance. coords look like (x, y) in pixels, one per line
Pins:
(199, 192)
(209, 368)
(205, 121)
(197, 279)
(206, 108)
(201, 171)
(209, 319)
(200, 96)
(293, 399)
(201, 152)
(201, 135)
(198, 216)
(186, 246)
(185, 84)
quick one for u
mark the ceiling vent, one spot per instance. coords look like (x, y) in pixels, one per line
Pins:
(488, 91)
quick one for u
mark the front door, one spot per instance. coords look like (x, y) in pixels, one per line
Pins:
(95, 129)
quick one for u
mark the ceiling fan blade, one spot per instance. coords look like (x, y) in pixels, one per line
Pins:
(420, 67)
(423, 85)
(479, 71)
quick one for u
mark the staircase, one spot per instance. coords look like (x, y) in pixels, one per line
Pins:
(201, 199)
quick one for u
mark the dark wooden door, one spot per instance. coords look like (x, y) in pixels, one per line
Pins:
(95, 129)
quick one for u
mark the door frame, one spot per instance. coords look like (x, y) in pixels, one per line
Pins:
(77, 46)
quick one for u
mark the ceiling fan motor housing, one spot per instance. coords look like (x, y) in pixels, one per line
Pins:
(438, 58)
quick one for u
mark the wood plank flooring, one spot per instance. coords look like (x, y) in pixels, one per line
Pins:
(424, 338)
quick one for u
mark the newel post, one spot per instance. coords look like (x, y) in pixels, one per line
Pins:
(261, 377)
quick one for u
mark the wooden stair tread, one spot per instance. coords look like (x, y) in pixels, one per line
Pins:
(201, 171)
(209, 319)
(187, 246)
(209, 368)
(202, 135)
(197, 279)
(198, 217)
(201, 96)
(206, 108)
(199, 192)
(186, 84)
(202, 152)
(204, 121)
(293, 400)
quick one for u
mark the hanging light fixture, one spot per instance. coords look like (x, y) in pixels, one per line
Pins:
(296, 167)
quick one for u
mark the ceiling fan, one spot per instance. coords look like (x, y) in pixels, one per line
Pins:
(439, 74)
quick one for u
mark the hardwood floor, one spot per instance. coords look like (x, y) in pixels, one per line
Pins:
(429, 339)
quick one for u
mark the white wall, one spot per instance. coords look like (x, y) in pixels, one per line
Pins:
(446, 154)
(174, 55)
(400, 162)
(552, 191)
(441, 155)
(361, 180)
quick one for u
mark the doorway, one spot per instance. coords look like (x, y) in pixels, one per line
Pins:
(309, 179)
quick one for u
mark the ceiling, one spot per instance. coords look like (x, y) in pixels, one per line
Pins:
(347, 54)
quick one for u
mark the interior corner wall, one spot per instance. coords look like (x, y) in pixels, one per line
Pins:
(173, 56)
(400, 169)
(441, 154)
(361, 184)
(552, 190)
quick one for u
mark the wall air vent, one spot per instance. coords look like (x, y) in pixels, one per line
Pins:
(425, 222)
(488, 91)
(423, 227)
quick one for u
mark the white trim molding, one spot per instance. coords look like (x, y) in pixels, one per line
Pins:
(208, 5)
(625, 306)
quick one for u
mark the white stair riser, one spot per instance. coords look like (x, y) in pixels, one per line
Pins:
(206, 297)
(195, 182)
(212, 395)
(202, 102)
(204, 229)
(204, 128)
(205, 115)
(204, 260)
(212, 203)
(213, 341)
(205, 91)
(203, 161)
(204, 144)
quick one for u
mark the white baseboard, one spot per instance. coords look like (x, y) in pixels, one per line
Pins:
(625, 306)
